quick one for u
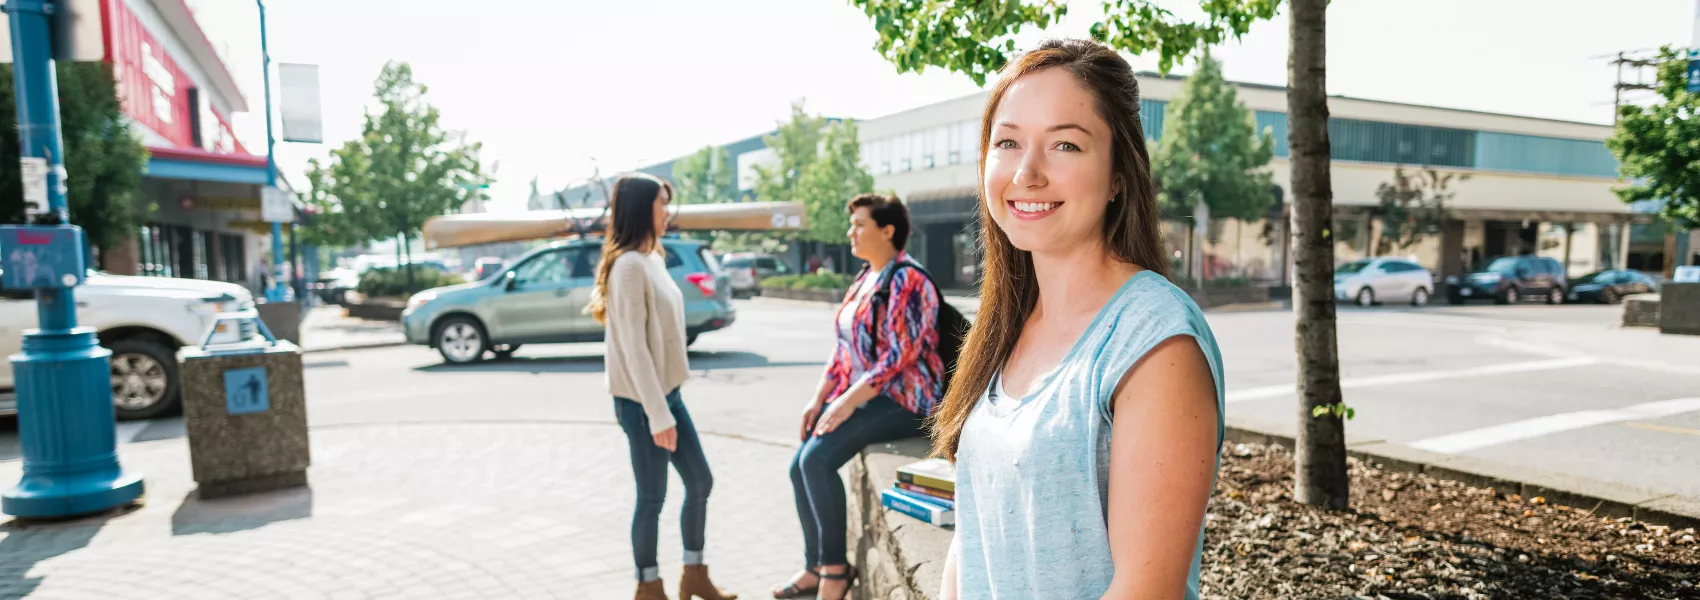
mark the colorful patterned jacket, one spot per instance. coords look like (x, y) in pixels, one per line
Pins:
(896, 340)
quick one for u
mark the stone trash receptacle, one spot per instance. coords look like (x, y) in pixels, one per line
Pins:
(245, 409)
(1679, 308)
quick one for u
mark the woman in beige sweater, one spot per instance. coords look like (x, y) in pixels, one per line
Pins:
(644, 312)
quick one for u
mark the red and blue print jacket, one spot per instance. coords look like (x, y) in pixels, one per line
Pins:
(896, 339)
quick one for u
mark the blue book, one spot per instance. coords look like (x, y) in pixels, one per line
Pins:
(922, 510)
(918, 496)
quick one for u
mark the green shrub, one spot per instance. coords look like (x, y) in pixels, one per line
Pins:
(392, 283)
(811, 281)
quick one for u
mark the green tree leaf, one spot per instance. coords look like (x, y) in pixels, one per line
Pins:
(403, 169)
(1413, 207)
(1211, 149)
(1658, 145)
(104, 158)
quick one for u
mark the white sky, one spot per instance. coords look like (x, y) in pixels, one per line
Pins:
(548, 86)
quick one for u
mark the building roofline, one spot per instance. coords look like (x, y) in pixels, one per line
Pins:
(1280, 88)
(181, 19)
(1283, 89)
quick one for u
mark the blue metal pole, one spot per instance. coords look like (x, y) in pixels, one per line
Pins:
(63, 376)
(279, 292)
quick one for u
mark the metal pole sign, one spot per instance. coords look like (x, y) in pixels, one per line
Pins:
(276, 205)
(302, 120)
(32, 171)
(1694, 52)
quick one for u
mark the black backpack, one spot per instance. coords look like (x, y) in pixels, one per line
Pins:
(952, 326)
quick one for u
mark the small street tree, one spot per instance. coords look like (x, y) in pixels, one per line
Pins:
(1211, 158)
(820, 165)
(976, 38)
(1211, 151)
(1658, 145)
(704, 178)
(103, 156)
(1413, 207)
(402, 170)
(830, 182)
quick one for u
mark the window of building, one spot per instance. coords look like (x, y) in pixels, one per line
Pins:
(970, 140)
(1394, 143)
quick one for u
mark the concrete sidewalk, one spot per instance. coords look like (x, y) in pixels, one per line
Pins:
(329, 328)
(414, 511)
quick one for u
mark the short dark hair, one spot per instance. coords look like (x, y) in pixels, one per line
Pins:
(886, 210)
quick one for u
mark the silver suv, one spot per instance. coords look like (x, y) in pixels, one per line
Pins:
(747, 269)
(541, 300)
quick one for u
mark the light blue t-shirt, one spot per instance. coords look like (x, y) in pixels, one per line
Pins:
(1032, 480)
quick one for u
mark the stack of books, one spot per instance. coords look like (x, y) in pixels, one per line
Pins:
(925, 490)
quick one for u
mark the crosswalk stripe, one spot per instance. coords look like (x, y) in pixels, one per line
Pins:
(1465, 441)
(1276, 391)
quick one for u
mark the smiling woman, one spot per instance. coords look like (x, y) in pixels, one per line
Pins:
(1085, 414)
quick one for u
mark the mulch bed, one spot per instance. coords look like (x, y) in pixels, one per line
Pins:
(1413, 536)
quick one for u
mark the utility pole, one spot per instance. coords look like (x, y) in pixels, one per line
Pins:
(1638, 64)
(64, 377)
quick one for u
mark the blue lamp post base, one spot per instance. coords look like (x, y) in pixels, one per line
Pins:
(65, 418)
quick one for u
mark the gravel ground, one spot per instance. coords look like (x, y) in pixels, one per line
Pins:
(1413, 536)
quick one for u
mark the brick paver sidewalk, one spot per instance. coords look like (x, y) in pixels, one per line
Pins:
(411, 511)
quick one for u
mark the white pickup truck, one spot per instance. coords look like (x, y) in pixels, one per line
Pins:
(143, 320)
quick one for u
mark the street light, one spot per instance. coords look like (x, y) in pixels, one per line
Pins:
(63, 376)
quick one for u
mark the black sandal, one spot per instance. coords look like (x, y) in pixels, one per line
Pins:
(850, 574)
(792, 591)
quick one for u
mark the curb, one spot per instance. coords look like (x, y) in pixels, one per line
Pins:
(1601, 498)
(370, 346)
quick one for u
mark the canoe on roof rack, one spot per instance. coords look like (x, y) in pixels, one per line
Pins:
(453, 231)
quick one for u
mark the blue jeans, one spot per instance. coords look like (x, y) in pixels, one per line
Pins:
(814, 473)
(649, 465)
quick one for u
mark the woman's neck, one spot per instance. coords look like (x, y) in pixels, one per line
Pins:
(1077, 281)
(878, 263)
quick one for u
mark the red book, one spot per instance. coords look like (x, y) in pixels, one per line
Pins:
(921, 489)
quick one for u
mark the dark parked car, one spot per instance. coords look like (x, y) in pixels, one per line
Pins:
(1511, 280)
(1609, 287)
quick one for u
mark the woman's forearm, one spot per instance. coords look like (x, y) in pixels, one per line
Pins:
(947, 583)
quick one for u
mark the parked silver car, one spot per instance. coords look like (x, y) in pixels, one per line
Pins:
(746, 270)
(541, 300)
(1370, 281)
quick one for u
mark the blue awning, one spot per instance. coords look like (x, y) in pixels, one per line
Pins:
(170, 168)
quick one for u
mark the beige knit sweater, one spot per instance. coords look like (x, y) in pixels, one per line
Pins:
(646, 335)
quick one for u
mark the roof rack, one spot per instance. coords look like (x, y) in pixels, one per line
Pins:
(453, 231)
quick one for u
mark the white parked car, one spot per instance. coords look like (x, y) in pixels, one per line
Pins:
(144, 321)
(1370, 281)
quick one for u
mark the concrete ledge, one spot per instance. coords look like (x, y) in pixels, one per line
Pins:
(1641, 310)
(376, 310)
(834, 296)
(899, 557)
(1603, 498)
(1211, 297)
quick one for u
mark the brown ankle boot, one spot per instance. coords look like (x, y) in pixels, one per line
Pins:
(651, 590)
(695, 584)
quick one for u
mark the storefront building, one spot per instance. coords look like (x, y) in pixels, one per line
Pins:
(1535, 186)
(202, 185)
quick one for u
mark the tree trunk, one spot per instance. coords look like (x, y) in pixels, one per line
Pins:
(407, 248)
(1320, 469)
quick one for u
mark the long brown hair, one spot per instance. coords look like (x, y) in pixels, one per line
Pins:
(631, 228)
(1008, 290)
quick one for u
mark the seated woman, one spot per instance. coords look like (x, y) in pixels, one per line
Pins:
(883, 381)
